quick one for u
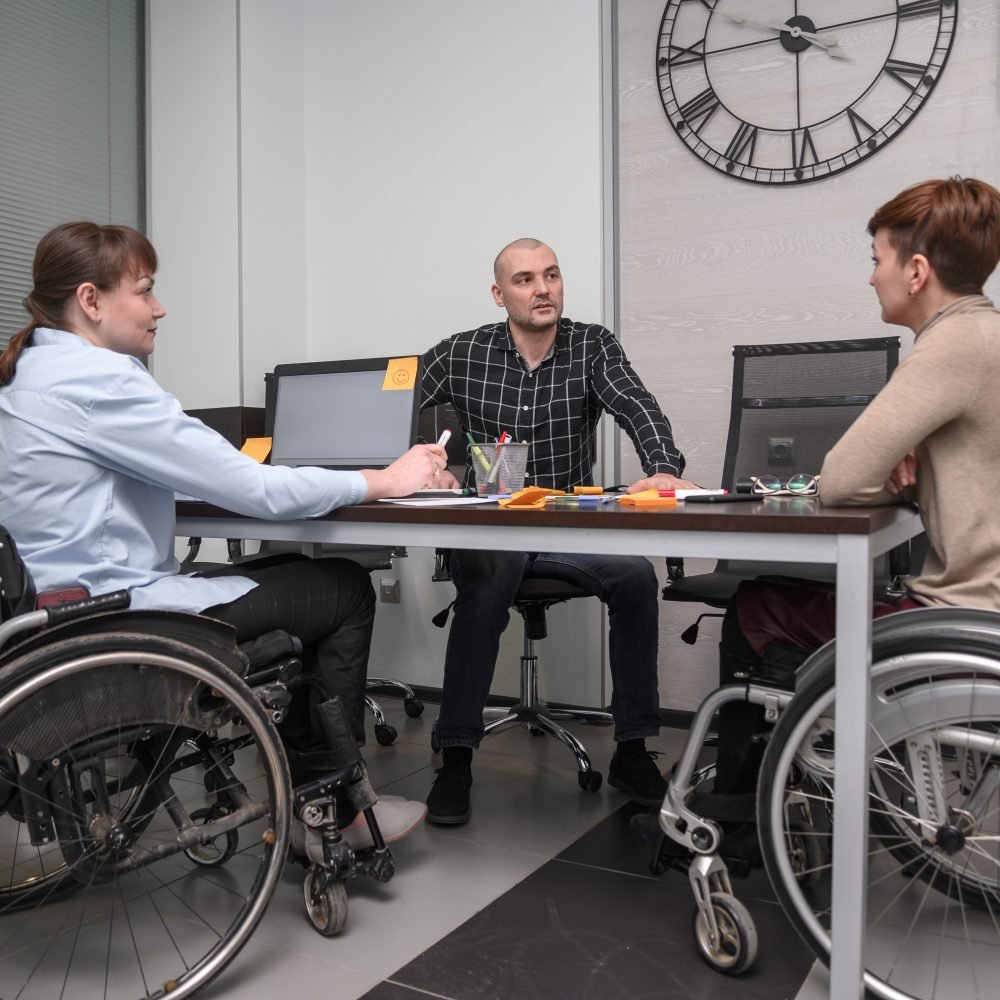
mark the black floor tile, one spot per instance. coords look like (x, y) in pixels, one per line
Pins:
(393, 991)
(613, 844)
(567, 933)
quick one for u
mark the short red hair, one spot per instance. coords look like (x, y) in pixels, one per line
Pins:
(954, 223)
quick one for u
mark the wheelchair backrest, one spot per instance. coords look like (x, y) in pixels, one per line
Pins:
(17, 591)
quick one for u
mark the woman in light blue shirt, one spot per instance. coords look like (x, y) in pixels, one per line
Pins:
(93, 451)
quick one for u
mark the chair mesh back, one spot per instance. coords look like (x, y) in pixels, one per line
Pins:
(792, 402)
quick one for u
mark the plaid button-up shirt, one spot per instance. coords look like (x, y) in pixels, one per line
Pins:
(554, 407)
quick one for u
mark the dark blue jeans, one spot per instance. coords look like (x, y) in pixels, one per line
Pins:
(486, 583)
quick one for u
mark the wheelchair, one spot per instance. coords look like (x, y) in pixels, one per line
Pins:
(146, 802)
(932, 896)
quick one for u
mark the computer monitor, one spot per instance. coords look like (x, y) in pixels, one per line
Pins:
(359, 414)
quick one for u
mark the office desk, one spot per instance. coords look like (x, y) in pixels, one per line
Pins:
(779, 529)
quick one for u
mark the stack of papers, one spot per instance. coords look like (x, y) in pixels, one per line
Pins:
(439, 498)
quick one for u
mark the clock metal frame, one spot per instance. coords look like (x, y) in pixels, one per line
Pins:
(807, 160)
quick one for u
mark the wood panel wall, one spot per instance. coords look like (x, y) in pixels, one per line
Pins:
(707, 261)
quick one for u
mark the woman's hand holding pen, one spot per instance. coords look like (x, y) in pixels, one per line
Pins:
(422, 466)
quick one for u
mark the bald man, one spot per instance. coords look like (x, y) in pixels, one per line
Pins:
(546, 380)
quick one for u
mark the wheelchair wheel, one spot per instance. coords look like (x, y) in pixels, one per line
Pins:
(326, 901)
(933, 744)
(734, 948)
(114, 734)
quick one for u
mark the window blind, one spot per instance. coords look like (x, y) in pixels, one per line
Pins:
(71, 127)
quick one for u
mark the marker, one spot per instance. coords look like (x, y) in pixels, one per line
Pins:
(494, 468)
(445, 435)
(682, 494)
(477, 451)
(504, 438)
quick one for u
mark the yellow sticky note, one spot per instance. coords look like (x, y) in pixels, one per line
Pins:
(257, 448)
(401, 373)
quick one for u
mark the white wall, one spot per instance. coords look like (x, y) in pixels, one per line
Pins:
(193, 164)
(333, 180)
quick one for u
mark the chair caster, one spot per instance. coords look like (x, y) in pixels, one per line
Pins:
(590, 781)
(731, 947)
(413, 707)
(326, 901)
(385, 735)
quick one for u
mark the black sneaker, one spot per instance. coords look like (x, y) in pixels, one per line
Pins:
(448, 801)
(632, 770)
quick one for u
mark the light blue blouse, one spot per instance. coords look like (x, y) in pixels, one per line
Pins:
(92, 452)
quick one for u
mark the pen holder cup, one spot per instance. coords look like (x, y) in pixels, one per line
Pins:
(500, 468)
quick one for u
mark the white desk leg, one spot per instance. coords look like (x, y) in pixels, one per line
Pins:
(854, 633)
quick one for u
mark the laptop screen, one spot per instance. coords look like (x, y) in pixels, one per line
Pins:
(359, 414)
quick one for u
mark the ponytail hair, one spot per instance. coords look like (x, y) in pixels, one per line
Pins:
(68, 256)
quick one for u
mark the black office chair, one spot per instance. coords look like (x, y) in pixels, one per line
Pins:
(790, 404)
(533, 598)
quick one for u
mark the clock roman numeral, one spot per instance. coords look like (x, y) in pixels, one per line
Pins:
(799, 152)
(900, 70)
(699, 109)
(746, 135)
(918, 8)
(858, 123)
(683, 55)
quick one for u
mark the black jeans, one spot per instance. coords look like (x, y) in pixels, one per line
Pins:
(330, 605)
(486, 583)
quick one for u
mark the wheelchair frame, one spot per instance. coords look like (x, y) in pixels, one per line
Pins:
(934, 805)
(136, 750)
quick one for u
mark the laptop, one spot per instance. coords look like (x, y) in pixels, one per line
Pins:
(358, 414)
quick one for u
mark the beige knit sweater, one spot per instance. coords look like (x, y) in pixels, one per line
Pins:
(943, 403)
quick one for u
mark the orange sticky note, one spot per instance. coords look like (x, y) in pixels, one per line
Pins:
(647, 498)
(401, 373)
(257, 448)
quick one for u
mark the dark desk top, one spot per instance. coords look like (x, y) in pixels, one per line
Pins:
(787, 515)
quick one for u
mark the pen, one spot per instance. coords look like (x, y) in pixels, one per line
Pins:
(504, 438)
(445, 435)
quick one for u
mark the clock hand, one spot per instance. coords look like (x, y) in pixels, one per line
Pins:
(831, 45)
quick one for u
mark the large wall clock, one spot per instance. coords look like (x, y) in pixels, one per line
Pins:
(789, 91)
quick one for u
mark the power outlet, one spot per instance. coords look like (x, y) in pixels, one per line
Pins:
(388, 591)
(781, 451)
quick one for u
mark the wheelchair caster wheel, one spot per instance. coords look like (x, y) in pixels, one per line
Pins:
(735, 948)
(590, 781)
(385, 736)
(413, 707)
(326, 904)
(218, 850)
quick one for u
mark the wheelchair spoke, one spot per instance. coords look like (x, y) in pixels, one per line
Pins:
(933, 849)
(122, 902)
